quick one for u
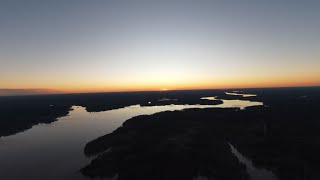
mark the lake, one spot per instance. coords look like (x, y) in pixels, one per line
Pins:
(55, 151)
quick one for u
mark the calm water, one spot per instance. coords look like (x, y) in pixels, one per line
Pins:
(55, 151)
(236, 93)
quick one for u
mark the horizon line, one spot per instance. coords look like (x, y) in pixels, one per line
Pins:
(32, 91)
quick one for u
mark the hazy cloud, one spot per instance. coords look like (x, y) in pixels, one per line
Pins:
(16, 92)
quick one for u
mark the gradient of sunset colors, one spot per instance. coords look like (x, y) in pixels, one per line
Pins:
(118, 45)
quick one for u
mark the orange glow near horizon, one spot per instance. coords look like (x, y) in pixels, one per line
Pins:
(240, 82)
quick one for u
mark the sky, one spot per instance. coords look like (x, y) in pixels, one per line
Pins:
(126, 45)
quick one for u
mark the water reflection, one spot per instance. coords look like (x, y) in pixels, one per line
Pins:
(167, 99)
(235, 93)
(55, 151)
(242, 104)
(210, 98)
